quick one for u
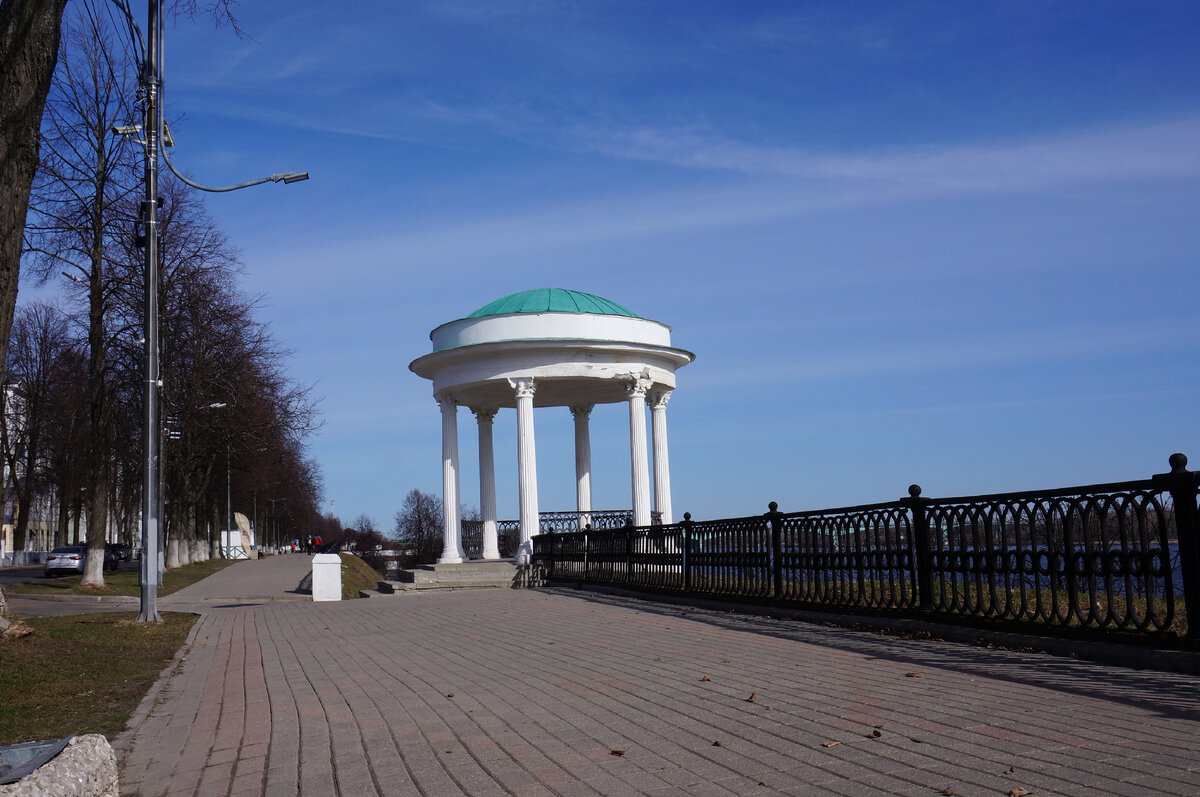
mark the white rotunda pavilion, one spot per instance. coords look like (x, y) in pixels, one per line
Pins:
(550, 348)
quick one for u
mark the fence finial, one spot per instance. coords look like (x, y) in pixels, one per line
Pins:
(687, 515)
(914, 490)
(773, 506)
(1178, 463)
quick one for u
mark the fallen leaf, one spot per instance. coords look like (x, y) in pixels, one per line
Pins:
(875, 734)
(763, 783)
(830, 744)
(1017, 791)
(1010, 770)
(616, 752)
(752, 698)
(912, 675)
(706, 678)
(450, 695)
(949, 792)
(658, 658)
(717, 744)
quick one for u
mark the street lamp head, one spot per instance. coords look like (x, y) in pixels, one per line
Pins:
(126, 130)
(289, 177)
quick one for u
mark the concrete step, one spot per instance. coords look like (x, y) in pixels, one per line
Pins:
(454, 576)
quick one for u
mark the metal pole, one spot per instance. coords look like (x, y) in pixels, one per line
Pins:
(150, 448)
(228, 499)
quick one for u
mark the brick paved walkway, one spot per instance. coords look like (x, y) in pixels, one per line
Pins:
(521, 692)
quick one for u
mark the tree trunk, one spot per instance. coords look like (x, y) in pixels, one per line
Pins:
(98, 447)
(77, 510)
(97, 525)
(62, 529)
(29, 32)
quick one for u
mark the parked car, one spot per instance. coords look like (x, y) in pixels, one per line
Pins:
(65, 559)
(120, 551)
(70, 559)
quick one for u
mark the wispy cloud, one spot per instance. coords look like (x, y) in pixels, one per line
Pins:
(1155, 151)
(828, 182)
(997, 348)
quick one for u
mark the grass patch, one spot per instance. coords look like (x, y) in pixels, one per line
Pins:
(82, 673)
(356, 575)
(124, 582)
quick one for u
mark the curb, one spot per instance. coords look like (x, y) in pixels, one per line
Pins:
(33, 596)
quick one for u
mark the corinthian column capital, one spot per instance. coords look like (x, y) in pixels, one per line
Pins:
(524, 387)
(658, 398)
(636, 385)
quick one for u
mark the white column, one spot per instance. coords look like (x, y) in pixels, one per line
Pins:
(583, 464)
(662, 465)
(526, 467)
(451, 531)
(636, 385)
(487, 482)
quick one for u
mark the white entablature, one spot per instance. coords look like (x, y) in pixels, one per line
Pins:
(550, 348)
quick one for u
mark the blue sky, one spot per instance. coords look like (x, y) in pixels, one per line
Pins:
(951, 244)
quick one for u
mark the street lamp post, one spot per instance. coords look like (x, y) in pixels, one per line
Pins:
(151, 82)
(228, 502)
(152, 126)
(275, 520)
(220, 405)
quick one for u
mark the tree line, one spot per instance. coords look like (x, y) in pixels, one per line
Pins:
(72, 399)
(415, 537)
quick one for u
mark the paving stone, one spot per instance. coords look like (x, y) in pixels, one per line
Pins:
(547, 685)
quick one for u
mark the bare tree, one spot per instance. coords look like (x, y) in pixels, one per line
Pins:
(36, 381)
(79, 213)
(29, 33)
(82, 223)
(419, 526)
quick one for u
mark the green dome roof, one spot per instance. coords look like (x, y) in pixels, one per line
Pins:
(551, 300)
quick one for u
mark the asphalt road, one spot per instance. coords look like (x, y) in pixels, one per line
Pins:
(19, 574)
(34, 606)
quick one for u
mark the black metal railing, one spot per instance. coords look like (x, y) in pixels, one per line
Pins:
(1119, 557)
(508, 532)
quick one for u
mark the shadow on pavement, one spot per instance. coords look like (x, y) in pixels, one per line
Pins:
(304, 587)
(1167, 694)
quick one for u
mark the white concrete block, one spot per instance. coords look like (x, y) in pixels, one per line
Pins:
(327, 577)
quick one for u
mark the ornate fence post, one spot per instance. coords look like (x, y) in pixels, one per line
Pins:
(587, 558)
(1183, 484)
(775, 518)
(920, 520)
(629, 553)
(685, 528)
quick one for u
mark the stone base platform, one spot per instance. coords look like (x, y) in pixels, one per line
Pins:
(462, 575)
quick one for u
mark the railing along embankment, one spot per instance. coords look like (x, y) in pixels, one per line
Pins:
(1114, 561)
